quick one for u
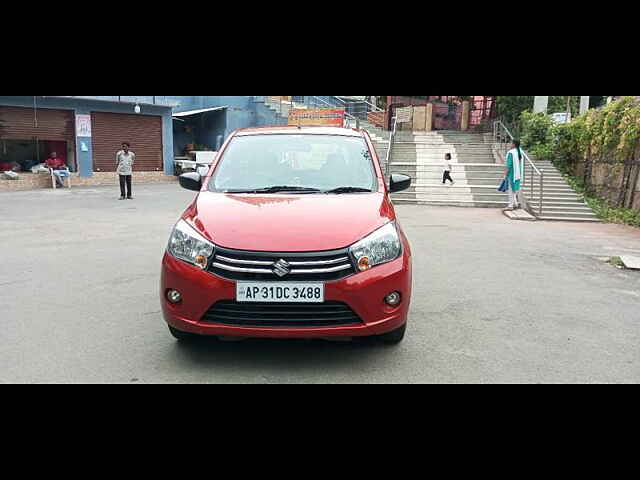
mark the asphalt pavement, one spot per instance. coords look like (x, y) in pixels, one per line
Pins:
(495, 301)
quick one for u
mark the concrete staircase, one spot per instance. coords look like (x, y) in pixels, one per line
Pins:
(476, 175)
(475, 171)
(380, 140)
(281, 109)
(559, 202)
(420, 155)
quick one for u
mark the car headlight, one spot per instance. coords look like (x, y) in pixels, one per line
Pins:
(381, 246)
(188, 245)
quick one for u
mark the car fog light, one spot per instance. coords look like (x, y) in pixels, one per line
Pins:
(393, 299)
(363, 264)
(174, 296)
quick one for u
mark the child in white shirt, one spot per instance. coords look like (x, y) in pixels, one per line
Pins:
(447, 169)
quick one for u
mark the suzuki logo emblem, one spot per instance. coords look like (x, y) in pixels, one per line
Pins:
(281, 268)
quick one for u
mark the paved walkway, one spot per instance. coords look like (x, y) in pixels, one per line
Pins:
(494, 301)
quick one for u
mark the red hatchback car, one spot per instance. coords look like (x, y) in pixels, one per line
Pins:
(292, 235)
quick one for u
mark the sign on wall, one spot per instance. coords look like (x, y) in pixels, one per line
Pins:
(404, 115)
(325, 117)
(83, 125)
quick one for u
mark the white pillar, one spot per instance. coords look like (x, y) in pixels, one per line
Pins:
(540, 104)
(584, 105)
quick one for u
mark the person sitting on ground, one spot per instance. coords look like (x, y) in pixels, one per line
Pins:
(58, 167)
(5, 166)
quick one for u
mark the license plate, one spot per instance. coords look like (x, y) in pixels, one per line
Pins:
(280, 292)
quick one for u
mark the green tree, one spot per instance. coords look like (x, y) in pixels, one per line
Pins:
(509, 109)
(559, 105)
(537, 134)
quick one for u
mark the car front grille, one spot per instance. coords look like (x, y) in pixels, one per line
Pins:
(327, 314)
(262, 266)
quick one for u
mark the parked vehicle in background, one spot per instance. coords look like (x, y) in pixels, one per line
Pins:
(292, 235)
(199, 162)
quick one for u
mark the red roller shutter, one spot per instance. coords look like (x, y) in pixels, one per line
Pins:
(19, 123)
(143, 132)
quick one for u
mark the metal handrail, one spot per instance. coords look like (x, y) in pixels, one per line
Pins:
(356, 112)
(375, 108)
(355, 108)
(498, 126)
(339, 99)
(346, 114)
(315, 100)
(392, 137)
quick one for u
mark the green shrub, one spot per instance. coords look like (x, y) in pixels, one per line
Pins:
(537, 134)
(610, 134)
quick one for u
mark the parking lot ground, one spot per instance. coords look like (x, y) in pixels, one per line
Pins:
(494, 301)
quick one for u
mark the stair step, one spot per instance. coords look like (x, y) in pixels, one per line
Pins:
(564, 208)
(552, 193)
(568, 219)
(492, 166)
(550, 200)
(557, 199)
(458, 179)
(557, 204)
(567, 213)
(456, 186)
(445, 203)
(469, 146)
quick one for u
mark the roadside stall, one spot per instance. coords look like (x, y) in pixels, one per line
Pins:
(29, 136)
(197, 135)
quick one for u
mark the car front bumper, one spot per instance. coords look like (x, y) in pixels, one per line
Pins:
(363, 292)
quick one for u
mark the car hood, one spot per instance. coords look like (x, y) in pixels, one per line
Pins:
(288, 223)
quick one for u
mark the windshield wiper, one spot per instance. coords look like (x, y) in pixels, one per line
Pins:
(348, 190)
(276, 189)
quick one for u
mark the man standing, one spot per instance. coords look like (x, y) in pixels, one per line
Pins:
(58, 168)
(124, 167)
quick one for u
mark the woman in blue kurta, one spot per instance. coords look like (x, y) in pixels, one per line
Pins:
(513, 173)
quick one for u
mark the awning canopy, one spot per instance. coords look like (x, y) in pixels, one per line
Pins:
(196, 112)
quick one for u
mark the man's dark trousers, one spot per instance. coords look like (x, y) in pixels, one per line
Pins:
(125, 180)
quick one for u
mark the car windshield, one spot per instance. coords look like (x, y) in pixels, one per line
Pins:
(302, 163)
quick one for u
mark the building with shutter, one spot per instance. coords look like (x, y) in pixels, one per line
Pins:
(87, 131)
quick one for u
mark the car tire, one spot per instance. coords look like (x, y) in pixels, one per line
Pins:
(182, 336)
(395, 336)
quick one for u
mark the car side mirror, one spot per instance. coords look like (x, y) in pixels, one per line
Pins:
(191, 181)
(399, 182)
